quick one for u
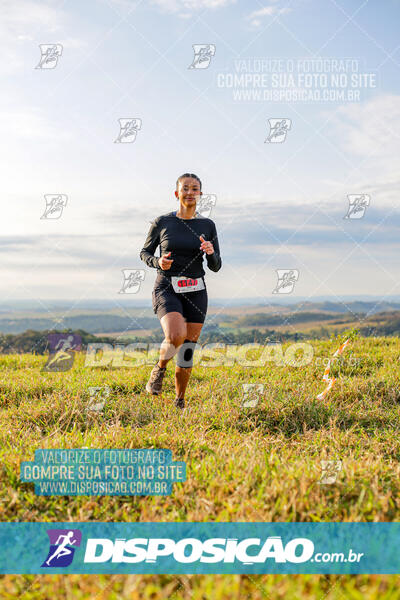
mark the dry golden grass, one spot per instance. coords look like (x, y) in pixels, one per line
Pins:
(260, 464)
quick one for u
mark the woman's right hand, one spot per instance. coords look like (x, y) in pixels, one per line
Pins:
(165, 262)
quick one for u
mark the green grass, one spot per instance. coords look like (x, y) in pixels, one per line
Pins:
(260, 464)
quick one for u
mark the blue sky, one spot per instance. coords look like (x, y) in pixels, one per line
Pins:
(278, 205)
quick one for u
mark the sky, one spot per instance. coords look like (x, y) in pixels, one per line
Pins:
(280, 201)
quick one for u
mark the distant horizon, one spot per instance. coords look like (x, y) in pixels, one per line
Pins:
(75, 304)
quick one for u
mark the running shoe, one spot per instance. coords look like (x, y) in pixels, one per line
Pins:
(155, 381)
(180, 402)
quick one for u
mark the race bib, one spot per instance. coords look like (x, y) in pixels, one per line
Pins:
(182, 285)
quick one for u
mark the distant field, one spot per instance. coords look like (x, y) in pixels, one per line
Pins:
(128, 333)
(259, 464)
(338, 325)
(141, 322)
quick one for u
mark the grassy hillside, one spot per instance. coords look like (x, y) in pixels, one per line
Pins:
(141, 322)
(243, 464)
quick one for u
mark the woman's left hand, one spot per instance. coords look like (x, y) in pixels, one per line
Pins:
(207, 247)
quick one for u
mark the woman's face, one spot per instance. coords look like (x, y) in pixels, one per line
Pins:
(188, 192)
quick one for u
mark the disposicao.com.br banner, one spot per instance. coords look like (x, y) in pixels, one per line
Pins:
(217, 548)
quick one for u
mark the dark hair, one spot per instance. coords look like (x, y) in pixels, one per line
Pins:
(188, 175)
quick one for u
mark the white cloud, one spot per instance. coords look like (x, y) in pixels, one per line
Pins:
(368, 134)
(186, 8)
(21, 22)
(256, 17)
(29, 123)
(372, 128)
(18, 16)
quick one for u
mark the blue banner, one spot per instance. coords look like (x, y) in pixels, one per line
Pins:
(218, 548)
(102, 472)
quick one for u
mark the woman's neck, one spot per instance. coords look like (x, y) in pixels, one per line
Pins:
(185, 213)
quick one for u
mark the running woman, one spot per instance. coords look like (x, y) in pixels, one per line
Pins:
(180, 295)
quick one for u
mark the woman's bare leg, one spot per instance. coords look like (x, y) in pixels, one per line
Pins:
(182, 374)
(174, 327)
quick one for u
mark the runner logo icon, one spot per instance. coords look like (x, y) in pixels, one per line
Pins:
(63, 543)
(278, 129)
(203, 54)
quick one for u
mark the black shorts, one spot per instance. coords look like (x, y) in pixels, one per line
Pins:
(192, 305)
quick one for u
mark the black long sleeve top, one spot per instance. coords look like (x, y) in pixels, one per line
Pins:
(181, 237)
